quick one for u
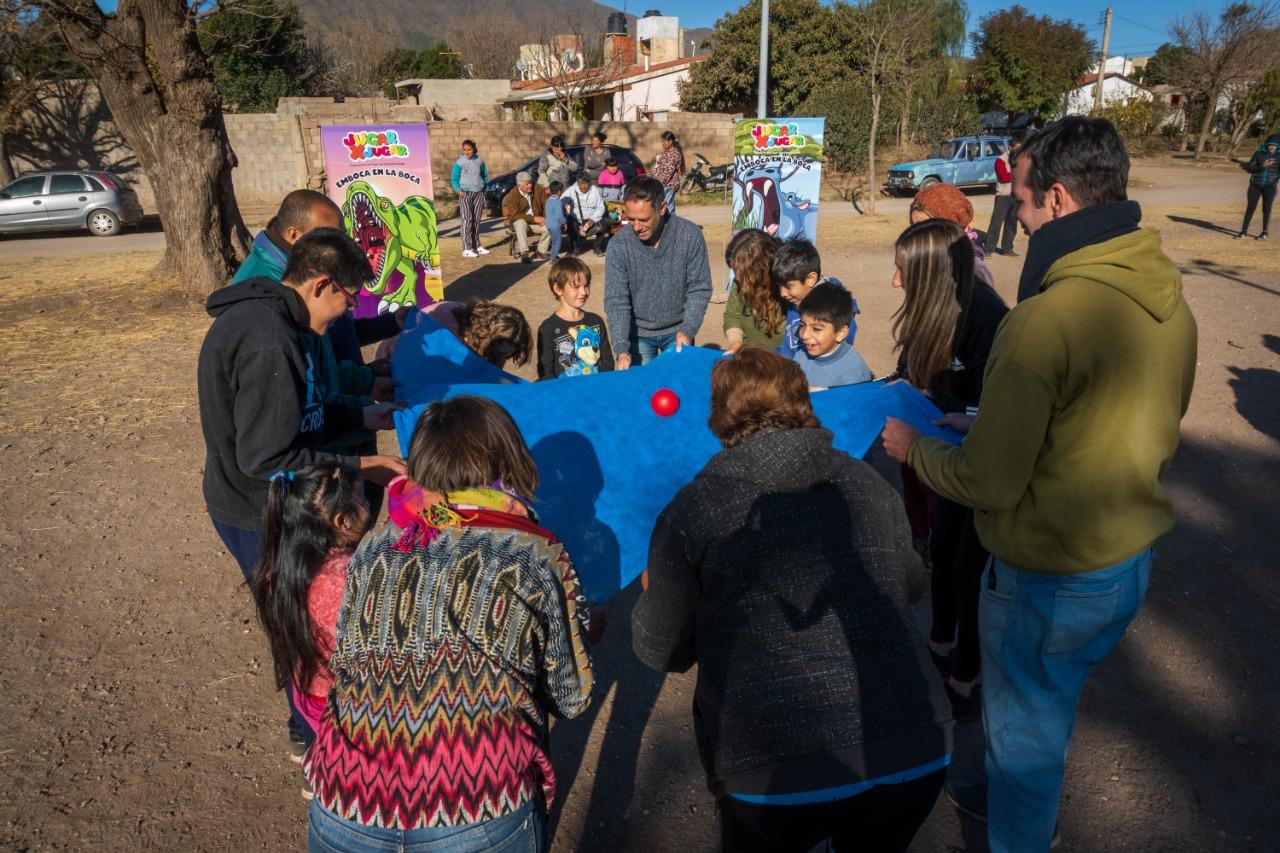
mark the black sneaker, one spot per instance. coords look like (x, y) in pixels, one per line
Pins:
(1262, 236)
(1009, 253)
(297, 748)
(1242, 235)
(963, 708)
(970, 799)
(941, 662)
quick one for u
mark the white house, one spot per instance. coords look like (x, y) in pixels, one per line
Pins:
(643, 92)
(1116, 88)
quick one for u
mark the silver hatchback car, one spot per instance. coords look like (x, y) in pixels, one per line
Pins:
(53, 201)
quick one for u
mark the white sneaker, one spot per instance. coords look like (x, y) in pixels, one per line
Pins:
(482, 250)
(467, 253)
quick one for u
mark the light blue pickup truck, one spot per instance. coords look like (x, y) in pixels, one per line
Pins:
(965, 161)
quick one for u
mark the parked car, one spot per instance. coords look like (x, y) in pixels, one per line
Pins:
(497, 188)
(965, 161)
(52, 201)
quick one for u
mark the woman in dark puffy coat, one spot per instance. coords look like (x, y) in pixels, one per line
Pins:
(1264, 172)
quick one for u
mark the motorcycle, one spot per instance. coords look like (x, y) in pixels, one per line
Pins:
(715, 177)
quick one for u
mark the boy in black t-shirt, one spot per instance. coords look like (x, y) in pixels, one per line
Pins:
(572, 342)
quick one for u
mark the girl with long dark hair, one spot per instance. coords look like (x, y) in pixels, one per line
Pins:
(313, 520)
(944, 332)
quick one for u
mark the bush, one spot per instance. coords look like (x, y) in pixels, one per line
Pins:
(950, 114)
(1134, 118)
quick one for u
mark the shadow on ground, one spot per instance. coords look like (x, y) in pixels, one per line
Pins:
(1206, 225)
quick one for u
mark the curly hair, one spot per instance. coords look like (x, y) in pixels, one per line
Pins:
(757, 390)
(750, 256)
(487, 326)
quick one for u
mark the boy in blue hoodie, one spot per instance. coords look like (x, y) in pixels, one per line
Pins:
(556, 218)
(797, 269)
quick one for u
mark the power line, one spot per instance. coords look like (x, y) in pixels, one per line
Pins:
(1140, 24)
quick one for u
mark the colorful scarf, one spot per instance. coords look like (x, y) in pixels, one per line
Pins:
(422, 514)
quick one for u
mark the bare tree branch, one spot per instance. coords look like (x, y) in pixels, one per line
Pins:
(563, 63)
(1220, 53)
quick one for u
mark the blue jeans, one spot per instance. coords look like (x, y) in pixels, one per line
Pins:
(523, 831)
(647, 349)
(1041, 636)
(669, 196)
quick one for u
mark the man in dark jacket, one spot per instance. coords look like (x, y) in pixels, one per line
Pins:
(785, 571)
(260, 408)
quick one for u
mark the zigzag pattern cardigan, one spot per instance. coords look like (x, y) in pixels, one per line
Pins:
(450, 653)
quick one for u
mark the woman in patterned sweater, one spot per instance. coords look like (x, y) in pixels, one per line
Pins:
(462, 627)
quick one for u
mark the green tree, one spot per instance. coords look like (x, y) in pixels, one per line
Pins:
(1161, 68)
(260, 54)
(1265, 98)
(434, 62)
(1026, 63)
(807, 49)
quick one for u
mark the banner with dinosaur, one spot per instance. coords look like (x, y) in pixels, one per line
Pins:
(777, 171)
(380, 175)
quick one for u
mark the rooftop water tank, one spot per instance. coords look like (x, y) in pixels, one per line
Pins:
(617, 24)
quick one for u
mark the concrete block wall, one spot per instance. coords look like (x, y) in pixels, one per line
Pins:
(278, 152)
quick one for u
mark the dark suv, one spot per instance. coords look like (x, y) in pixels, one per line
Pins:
(497, 188)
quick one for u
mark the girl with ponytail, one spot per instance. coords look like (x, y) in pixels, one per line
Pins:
(313, 520)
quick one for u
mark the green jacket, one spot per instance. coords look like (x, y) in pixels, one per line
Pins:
(739, 316)
(1084, 390)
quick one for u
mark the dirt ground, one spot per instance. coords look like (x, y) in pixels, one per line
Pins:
(137, 686)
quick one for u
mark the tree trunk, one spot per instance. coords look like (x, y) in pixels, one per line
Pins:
(6, 166)
(1206, 123)
(873, 189)
(906, 119)
(172, 121)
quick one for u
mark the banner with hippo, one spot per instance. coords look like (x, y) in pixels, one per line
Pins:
(777, 171)
(380, 175)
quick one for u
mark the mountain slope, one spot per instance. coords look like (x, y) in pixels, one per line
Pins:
(416, 23)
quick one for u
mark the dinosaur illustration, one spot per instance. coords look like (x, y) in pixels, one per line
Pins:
(398, 239)
(760, 202)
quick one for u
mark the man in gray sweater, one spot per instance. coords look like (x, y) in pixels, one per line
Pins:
(657, 279)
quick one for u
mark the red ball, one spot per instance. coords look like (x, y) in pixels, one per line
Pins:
(664, 402)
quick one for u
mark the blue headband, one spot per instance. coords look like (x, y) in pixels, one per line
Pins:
(284, 478)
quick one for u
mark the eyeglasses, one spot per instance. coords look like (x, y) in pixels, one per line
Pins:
(353, 299)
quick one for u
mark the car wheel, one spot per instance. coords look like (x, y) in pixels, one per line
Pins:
(928, 182)
(103, 223)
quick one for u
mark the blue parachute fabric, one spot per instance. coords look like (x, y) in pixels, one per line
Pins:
(609, 465)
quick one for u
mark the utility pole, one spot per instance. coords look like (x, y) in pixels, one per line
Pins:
(762, 86)
(1102, 64)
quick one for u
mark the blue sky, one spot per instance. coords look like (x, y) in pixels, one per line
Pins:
(1138, 27)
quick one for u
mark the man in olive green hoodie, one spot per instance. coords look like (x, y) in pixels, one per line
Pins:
(1087, 381)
